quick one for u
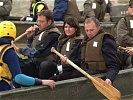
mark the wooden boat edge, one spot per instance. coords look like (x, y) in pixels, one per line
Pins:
(61, 84)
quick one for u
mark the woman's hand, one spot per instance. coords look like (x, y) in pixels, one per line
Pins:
(64, 59)
(49, 83)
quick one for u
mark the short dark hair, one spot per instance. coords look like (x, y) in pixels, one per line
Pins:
(96, 21)
(48, 14)
(73, 23)
(130, 2)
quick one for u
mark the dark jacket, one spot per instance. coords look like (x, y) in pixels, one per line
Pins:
(15, 70)
(109, 51)
(111, 57)
(74, 53)
(43, 48)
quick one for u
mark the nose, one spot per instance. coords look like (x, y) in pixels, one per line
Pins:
(38, 24)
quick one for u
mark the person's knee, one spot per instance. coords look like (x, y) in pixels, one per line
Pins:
(45, 65)
(47, 69)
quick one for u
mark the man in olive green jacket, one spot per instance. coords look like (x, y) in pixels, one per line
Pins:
(88, 11)
(5, 8)
(124, 29)
(96, 8)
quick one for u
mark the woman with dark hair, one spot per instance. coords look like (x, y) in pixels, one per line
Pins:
(69, 46)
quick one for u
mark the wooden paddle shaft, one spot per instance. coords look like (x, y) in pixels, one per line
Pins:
(19, 37)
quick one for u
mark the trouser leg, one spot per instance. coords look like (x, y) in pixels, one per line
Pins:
(47, 69)
(67, 75)
(29, 69)
(4, 86)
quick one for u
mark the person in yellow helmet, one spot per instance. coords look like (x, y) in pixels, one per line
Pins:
(10, 71)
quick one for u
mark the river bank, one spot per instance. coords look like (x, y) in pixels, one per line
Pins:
(21, 7)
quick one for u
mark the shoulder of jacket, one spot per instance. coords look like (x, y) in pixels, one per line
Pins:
(121, 20)
(79, 37)
(109, 35)
(4, 48)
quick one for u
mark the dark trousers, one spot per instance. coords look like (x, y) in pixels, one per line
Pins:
(30, 68)
(66, 75)
(125, 60)
(4, 86)
(47, 69)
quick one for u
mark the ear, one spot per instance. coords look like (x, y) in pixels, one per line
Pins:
(49, 22)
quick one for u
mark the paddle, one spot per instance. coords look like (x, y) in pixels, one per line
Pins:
(22, 35)
(19, 37)
(107, 90)
(122, 48)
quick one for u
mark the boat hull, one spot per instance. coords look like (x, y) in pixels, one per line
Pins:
(78, 88)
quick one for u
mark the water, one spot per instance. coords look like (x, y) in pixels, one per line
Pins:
(21, 7)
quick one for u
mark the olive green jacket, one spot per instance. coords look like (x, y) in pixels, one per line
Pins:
(124, 31)
(5, 8)
(88, 11)
(94, 9)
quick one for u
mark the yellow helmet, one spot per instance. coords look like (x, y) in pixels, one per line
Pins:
(7, 29)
